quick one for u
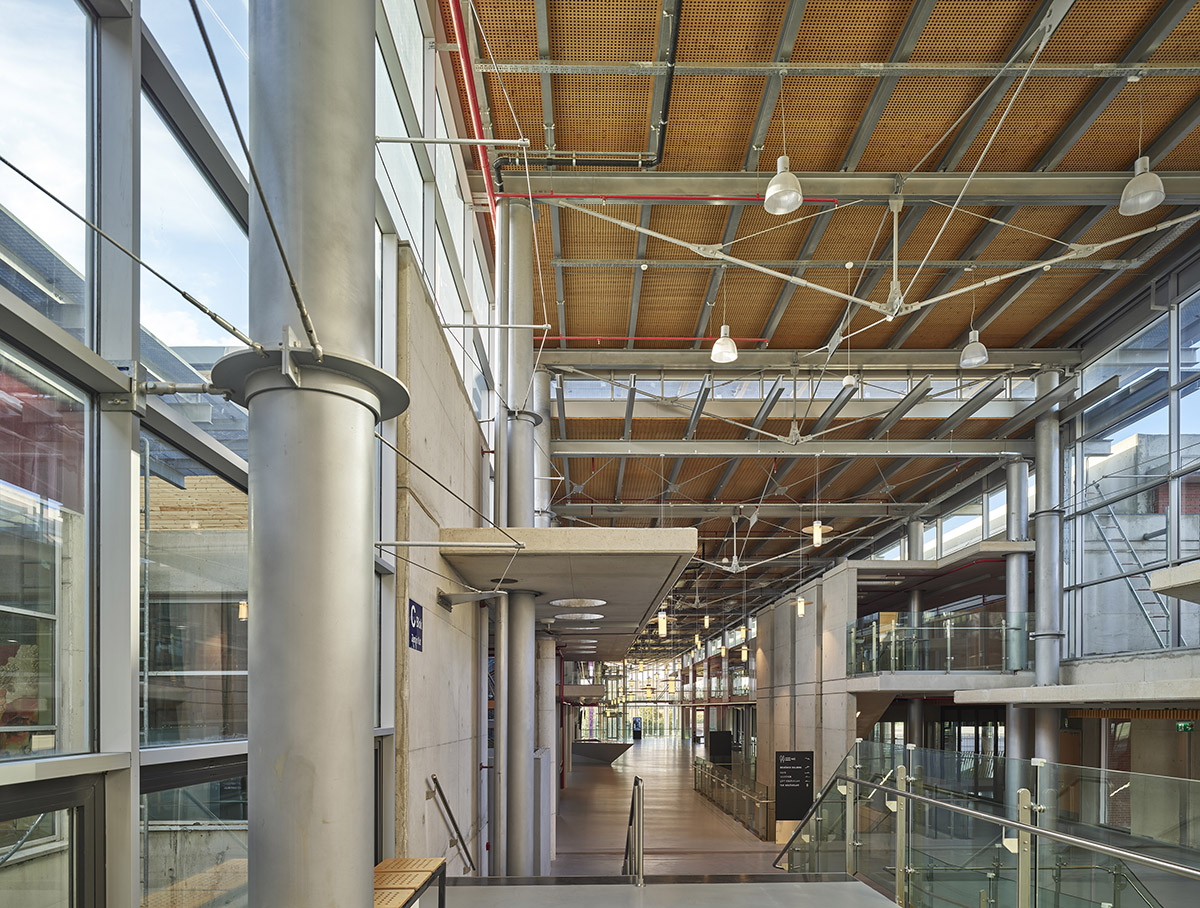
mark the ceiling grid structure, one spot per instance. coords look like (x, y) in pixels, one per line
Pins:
(880, 99)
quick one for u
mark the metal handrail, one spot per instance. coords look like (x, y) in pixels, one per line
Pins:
(1006, 823)
(458, 836)
(812, 811)
(634, 864)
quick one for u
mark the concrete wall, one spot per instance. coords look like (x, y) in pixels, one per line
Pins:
(437, 690)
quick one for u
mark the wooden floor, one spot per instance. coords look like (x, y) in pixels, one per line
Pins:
(685, 834)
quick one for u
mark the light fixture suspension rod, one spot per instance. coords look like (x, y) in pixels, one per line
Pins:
(419, 140)
(1078, 252)
(714, 252)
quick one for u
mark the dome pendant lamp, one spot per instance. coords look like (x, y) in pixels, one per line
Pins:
(1144, 191)
(974, 354)
(724, 350)
(783, 194)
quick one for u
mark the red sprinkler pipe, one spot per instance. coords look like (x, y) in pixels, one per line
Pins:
(468, 73)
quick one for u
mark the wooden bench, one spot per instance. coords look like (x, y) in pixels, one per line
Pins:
(401, 881)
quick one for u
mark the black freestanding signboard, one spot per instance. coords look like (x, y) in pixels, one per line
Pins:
(793, 784)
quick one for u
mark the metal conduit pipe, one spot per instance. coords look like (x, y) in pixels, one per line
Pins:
(1048, 554)
(566, 161)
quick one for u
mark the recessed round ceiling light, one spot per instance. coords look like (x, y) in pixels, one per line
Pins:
(504, 580)
(578, 616)
(583, 641)
(578, 603)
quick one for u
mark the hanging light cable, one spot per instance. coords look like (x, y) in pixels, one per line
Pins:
(1144, 191)
(783, 195)
(724, 350)
(974, 354)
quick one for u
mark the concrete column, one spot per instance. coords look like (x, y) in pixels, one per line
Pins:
(547, 718)
(1017, 741)
(311, 830)
(543, 468)
(916, 539)
(1017, 565)
(1048, 554)
(521, 610)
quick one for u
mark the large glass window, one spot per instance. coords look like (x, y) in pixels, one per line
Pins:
(194, 605)
(194, 845)
(44, 644)
(228, 25)
(398, 173)
(44, 108)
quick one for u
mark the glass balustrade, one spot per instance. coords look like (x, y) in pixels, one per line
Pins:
(875, 647)
(949, 821)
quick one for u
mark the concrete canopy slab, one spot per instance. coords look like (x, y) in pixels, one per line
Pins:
(920, 683)
(1151, 694)
(632, 570)
(1181, 581)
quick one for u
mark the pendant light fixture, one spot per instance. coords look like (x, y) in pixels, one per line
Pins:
(662, 624)
(1144, 192)
(724, 350)
(818, 530)
(801, 604)
(974, 354)
(783, 194)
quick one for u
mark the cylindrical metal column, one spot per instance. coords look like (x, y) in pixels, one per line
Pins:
(312, 458)
(500, 342)
(1017, 741)
(543, 468)
(521, 611)
(547, 718)
(500, 727)
(1016, 617)
(914, 728)
(916, 539)
(1048, 555)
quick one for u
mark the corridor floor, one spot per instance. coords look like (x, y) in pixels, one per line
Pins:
(685, 834)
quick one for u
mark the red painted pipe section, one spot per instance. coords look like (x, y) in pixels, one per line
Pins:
(468, 73)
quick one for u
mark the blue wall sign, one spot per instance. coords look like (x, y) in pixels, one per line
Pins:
(416, 627)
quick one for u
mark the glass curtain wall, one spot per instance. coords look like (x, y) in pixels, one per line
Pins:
(1133, 500)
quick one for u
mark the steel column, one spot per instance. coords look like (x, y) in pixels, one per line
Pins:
(914, 727)
(312, 460)
(543, 467)
(521, 616)
(915, 533)
(500, 342)
(547, 721)
(1048, 554)
(1017, 566)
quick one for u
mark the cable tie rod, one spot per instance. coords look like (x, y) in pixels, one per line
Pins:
(420, 140)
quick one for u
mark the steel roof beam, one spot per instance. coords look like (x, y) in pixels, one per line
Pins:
(711, 511)
(541, 19)
(751, 361)
(835, 406)
(627, 433)
(995, 188)
(635, 295)
(1147, 245)
(1043, 404)
(903, 407)
(560, 294)
(768, 404)
(562, 433)
(971, 407)
(1151, 37)
(914, 25)
(816, 447)
(688, 434)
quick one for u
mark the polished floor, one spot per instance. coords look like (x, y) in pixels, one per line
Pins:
(678, 895)
(685, 834)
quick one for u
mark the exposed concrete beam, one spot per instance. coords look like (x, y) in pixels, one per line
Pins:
(783, 450)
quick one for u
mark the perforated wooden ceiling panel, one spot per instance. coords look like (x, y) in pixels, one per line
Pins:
(834, 31)
(1090, 32)
(627, 31)
(692, 224)
(710, 121)
(586, 237)
(677, 296)
(597, 304)
(729, 30)
(601, 113)
(820, 115)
